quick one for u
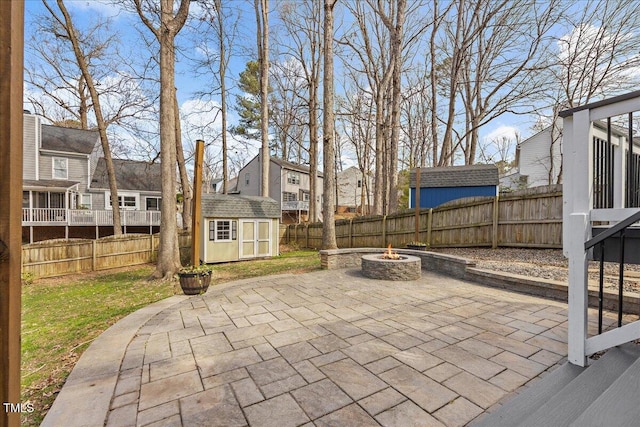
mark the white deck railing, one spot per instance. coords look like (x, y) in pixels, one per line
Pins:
(579, 215)
(78, 217)
(296, 205)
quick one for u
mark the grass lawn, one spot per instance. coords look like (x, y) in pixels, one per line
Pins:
(62, 316)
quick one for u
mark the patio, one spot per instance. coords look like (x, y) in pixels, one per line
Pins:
(329, 347)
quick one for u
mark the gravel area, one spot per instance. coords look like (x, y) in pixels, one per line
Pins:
(543, 263)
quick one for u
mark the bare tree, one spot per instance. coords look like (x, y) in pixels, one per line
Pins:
(66, 30)
(394, 23)
(328, 131)
(596, 56)
(165, 31)
(287, 111)
(262, 22)
(302, 20)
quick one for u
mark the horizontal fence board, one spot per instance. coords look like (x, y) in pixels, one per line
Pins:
(524, 218)
(61, 257)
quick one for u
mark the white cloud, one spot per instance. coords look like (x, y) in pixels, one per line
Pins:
(105, 8)
(510, 132)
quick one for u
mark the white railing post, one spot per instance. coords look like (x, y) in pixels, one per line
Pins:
(578, 296)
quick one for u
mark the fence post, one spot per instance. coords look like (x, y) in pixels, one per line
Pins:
(93, 255)
(306, 244)
(384, 231)
(350, 232)
(151, 247)
(494, 231)
(429, 221)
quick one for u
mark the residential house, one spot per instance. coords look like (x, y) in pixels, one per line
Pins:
(538, 162)
(442, 184)
(65, 186)
(354, 190)
(289, 185)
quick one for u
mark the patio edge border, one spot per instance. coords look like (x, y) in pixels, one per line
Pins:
(463, 268)
(98, 370)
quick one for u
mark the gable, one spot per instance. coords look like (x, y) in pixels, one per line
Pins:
(69, 140)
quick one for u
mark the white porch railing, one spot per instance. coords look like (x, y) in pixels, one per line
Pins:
(296, 205)
(78, 217)
(584, 173)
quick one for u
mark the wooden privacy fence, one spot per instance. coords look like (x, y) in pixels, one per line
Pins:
(527, 218)
(60, 257)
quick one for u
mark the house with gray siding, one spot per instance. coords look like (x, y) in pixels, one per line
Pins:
(65, 185)
(289, 185)
(354, 190)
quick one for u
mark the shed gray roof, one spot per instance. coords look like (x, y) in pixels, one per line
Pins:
(236, 206)
(456, 176)
(130, 175)
(71, 140)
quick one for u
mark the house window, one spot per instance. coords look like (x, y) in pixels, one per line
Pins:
(60, 168)
(246, 179)
(289, 197)
(223, 230)
(304, 195)
(359, 183)
(153, 203)
(293, 177)
(85, 201)
(25, 199)
(125, 201)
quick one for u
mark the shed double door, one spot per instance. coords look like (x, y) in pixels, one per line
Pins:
(255, 238)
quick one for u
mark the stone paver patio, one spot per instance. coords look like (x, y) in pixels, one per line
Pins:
(335, 348)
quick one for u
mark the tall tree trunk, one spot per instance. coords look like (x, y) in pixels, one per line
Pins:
(396, 46)
(168, 251)
(187, 195)
(95, 99)
(313, 152)
(328, 196)
(262, 10)
(223, 99)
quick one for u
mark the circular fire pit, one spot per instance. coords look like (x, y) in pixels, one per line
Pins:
(407, 267)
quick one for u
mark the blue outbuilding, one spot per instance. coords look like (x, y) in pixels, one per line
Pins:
(443, 184)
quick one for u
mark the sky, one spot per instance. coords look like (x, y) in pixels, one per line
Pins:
(195, 111)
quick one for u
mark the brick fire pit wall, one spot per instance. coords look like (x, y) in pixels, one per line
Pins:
(331, 259)
(405, 268)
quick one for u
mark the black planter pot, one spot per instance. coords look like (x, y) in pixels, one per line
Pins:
(194, 283)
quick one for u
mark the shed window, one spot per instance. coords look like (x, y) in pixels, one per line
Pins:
(223, 230)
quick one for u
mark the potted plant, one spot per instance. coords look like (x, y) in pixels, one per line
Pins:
(418, 246)
(194, 280)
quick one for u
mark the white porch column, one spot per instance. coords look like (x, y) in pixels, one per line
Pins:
(578, 200)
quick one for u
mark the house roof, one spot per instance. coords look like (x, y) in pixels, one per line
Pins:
(71, 140)
(292, 166)
(236, 206)
(48, 184)
(456, 176)
(130, 175)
